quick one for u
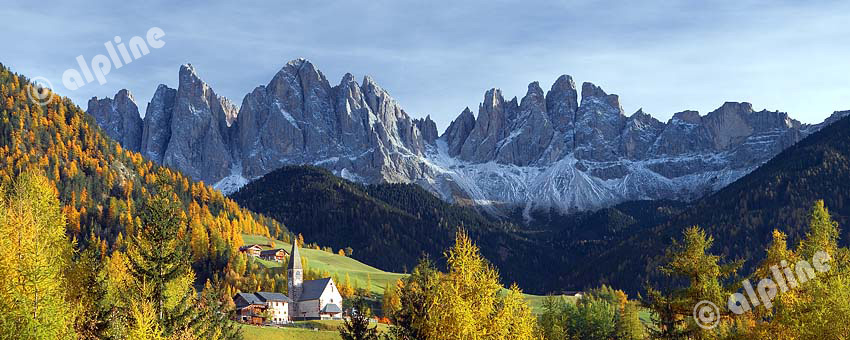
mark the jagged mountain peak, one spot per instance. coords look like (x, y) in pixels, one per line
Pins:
(188, 77)
(687, 116)
(561, 105)
(369, 82)
(428, 129)
(493, 98)
(162, 87)
(298, 61)
(191, 84)
(547, 150)
(188, 69)
(297, 65)
(590, 91)
(534, 99)
(643, 118)
(119, 118)
(124, 94)
(565, 81)
(347, 79)
(534, 90)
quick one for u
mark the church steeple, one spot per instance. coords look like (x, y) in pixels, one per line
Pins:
(295, 257)
(295, 274)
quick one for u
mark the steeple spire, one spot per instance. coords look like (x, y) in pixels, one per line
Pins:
(295, 274)
(295, 257)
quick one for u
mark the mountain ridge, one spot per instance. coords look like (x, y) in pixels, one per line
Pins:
(741, 217)
(547, 150)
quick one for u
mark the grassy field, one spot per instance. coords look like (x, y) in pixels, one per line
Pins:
(333, 263)
(325, 330)
(286, 333)
(341, 265)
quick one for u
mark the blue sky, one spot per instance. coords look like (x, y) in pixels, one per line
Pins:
(438, 57)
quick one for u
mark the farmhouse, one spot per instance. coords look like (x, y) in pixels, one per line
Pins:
(251, 250)
(262, 307)
(312, 299)
(276, 255)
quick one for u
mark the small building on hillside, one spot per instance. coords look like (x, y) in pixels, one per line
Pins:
(276, 255)
(313, 299)
(574, 293)
(251, 250)
(262, 308)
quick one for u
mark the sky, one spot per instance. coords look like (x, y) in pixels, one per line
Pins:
(437, 57)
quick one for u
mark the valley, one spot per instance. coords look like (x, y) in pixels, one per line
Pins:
(444, 176)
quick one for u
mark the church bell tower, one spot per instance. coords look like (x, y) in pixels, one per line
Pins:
(295, 277)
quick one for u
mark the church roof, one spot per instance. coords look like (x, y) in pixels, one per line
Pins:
(295, 257)
(313, 289)
(331, 308)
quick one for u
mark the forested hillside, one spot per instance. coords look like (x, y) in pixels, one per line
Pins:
(742, 216)
(391, 226)
(101, 186)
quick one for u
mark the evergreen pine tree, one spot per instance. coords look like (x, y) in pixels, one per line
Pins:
(689, 259)
(158, 259)
(629, 326)
(216, 314)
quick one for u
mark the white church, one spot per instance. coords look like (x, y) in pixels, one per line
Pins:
(307, 300)
(312, 299)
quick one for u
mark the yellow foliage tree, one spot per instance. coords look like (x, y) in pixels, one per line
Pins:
(35, 253)
(468, 302)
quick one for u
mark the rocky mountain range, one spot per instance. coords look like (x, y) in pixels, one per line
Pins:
(553, 150)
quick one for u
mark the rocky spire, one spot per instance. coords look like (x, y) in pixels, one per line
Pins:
(427, 129)
(638, 135)
(199, 144)
(599, 120)
(490, 127)
(119, 118)
(530, 132)
(157, 124)
(457, 132)
(562, 103)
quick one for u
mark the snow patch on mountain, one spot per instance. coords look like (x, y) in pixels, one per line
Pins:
(556, 150)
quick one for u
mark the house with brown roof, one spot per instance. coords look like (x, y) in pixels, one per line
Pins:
(262, 308)
(251, 250)
(276, 255)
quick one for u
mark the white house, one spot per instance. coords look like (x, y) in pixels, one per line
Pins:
(312, 299)
(262, 308)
